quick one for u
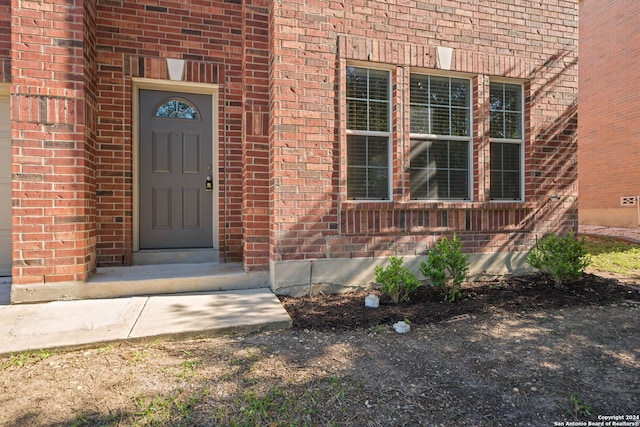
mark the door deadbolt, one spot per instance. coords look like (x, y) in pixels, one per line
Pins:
(209, 184)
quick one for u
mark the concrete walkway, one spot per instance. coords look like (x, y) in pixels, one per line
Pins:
(630, 234)
(73, 324)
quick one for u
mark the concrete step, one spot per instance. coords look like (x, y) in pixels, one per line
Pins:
(174, 278)
(175, 256)
(137, 280)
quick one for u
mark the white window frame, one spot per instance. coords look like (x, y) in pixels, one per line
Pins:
(388, 134)
(519, 142)
(427, 137)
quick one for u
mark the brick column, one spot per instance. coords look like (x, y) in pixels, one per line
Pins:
(304, 149)
(53, 128)
(481, 145)
(255, 137)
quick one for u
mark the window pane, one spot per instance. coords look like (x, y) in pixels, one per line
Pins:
(512, 98)
(495, 191)
(378, 85)
(419, 89)
(511, 157)
(440, 121)
(439, 169)
(505, 171)
(357, 115)
(496, 156)
(460, 93)
(459, 185)
(438, 154)
(496, 96)
(368, 110)
(459, 155)
(460, 122)
(378, 116)
(419, 119)
(439, 91)
(511, 185)
(367, 99)
(367, 167)
(356, 82)
(495, 103)
(448, 101)
(496, 123)
(419, 181)
(356, 183)
(377, 150)
(356, 150)
(512, 128)
(378, 184)
(506, 120)
(177, 109)
(439, 184)
(505, 110)
(419, 151)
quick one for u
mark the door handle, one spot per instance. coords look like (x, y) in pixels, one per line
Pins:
(209, 184)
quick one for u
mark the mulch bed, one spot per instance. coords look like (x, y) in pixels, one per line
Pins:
(427, 305)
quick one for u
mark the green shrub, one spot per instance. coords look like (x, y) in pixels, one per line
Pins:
(562, 258)
(447, 267)
(396, 280)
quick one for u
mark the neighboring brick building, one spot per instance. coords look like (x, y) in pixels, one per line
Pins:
(334, 132)
(609, 148)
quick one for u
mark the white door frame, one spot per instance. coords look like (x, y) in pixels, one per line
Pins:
(172, 86)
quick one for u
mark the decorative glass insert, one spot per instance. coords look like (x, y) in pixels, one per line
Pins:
(177, 108)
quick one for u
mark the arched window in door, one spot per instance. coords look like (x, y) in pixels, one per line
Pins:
(177, 108)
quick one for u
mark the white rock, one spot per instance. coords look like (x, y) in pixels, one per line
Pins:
(401, 327)
(372, 300)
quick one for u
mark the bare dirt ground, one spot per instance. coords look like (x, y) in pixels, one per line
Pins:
(514, 352)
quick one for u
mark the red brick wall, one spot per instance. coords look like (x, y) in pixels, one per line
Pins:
(53, 169)
(81, 122)
(281, 123)
(255, 148)
(609, 105)
(312, 43)
(133, 38)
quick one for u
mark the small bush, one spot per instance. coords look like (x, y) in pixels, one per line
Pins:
(396, 280)
(562, 258)
(447, 267)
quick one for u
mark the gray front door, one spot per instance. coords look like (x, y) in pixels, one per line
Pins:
(176, 201)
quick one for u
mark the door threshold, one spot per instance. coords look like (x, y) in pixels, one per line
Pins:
(175, 256)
